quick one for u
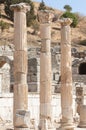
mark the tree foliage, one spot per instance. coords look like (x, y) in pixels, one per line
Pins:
(72, 16)
(68, 8)
(42, 6)
(30, 15)
(69, 14)
(3, 25)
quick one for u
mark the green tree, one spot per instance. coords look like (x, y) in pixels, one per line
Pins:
(3, 25)
(42, 6)
(73, 17)
(69, 14)
(30, 14)
(68, 8)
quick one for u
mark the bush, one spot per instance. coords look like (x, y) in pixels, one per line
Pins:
(42, 6)
(30, 14)
(68, 8)
(72, 16)
(83, 43)
(3, 25)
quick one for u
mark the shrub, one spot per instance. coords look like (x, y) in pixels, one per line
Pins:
(83, 42)
(42, 6)
(3, 25)
(68, 8)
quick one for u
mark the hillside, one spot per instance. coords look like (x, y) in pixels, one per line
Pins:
(78, 34)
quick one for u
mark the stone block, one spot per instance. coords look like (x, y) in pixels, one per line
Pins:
(20, 61)
(32, 87)
(57, 77)
(20, 78)
(34, 78)
(22, 119)
(20, 96)
(82, 123)
(45, 31)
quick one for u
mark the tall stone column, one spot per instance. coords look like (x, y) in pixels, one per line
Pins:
(66, 75)
(20, 66)
(45, 71)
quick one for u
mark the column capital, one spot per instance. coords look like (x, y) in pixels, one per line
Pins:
(24, 7)
(65, 21)
(44, 16)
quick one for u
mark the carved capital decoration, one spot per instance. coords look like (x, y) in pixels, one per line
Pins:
(44, 16)
(65, 21)
(24, 7)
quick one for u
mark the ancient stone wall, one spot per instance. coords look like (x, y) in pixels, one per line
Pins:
(33, 76)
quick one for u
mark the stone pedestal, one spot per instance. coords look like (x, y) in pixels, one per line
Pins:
(45, 71)
(82, 123)
(20, 61)
(79, 98)
(66, 75)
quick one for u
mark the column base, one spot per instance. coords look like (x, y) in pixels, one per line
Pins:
(66, 126)
(46, 126)
(82, 122)
(82, 125)
(21, 128)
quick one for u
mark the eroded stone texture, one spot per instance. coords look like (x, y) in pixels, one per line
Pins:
(22, 119)
(82, 123)
(79, 98)
(45, 71)
(66, 75)
(20, 62)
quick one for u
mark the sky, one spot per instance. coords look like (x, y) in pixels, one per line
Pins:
(77, 5)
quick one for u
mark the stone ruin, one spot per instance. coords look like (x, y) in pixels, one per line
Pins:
(33, 76)
(39, 69)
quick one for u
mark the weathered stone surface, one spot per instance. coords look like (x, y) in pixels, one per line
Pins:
(66, 75)
(22, 119)
(20, 7)
(22, 128)
(20, 78)
(45, 71)
(45, 30)
(20, 39)
(20, 61)
(20, 93)
(82, 123)
(44, 16)
(79, 98)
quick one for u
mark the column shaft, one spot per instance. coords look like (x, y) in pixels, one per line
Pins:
(20, 63)
(66, 75)
(45, 74)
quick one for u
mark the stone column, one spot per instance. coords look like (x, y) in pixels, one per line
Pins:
(66, 75)
(45, 70)
(20, 65)
(79, 98)
(82, 122)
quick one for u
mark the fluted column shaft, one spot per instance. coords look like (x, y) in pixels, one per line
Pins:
(66, 74)
(45, 70)
(20, 58)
